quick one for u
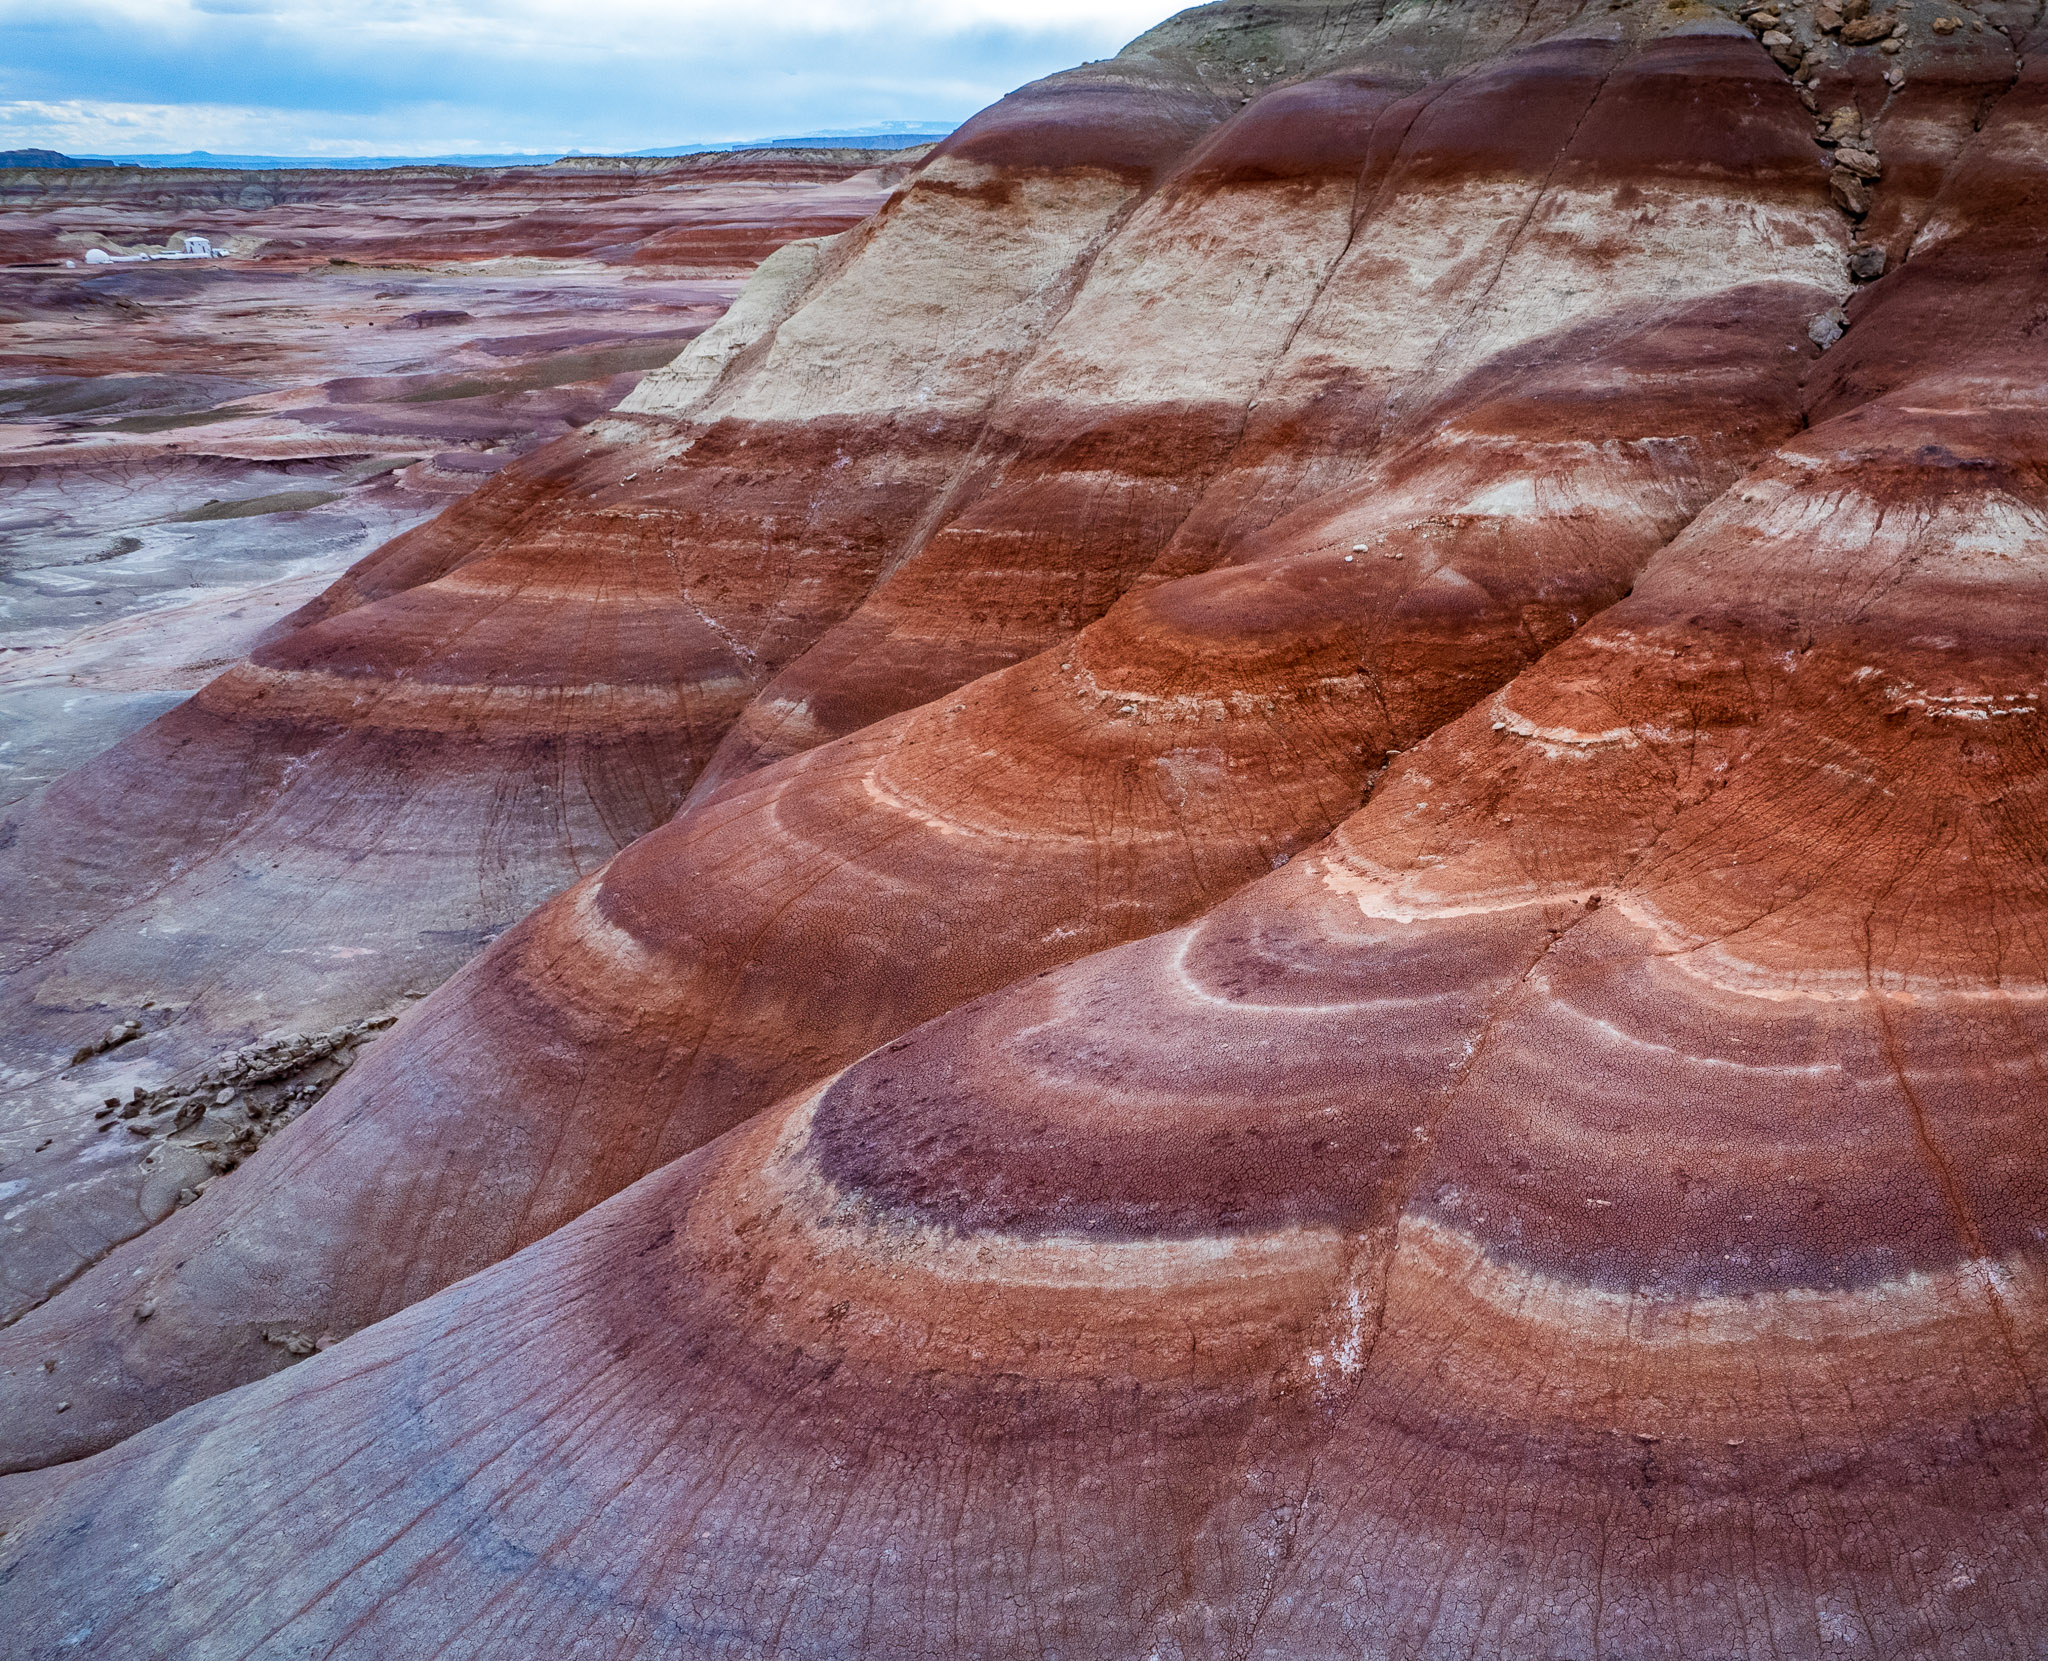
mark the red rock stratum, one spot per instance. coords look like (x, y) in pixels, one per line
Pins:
(1351, 960)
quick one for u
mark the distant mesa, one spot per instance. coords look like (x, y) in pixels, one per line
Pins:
(51, 158)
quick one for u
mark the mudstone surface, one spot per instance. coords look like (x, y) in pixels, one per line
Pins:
(1263, 882)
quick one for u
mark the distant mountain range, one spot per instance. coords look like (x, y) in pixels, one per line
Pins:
(889, 136)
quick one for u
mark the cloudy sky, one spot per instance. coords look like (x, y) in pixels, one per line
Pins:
(431, 77)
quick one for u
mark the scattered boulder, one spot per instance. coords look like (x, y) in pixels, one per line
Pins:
(1866, 262)
(1828, 327)
(115, 1036)
(1784, 50)
(1864, 30)
(1863, 163)
(1848, 192)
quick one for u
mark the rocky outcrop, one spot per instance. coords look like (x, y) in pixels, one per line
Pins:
(1451, 1071)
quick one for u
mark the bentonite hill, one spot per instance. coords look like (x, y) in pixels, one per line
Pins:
(1298, 837)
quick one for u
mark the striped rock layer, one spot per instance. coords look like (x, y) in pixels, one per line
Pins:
(1453, 1074)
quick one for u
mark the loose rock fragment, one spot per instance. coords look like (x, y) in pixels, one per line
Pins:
(1844, 126)
(115, 1036)
(1828, 327)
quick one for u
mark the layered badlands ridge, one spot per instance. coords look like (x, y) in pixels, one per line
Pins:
(1351, 964)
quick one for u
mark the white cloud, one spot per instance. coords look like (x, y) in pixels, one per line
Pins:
(682, 29)
(437, 76)
(82, 126)
(569, 19)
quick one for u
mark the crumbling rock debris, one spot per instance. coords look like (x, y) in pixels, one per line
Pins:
(1849, 193)
(126, 1107)
(248, 1095)
(433, 319)
(1861, 162)
(1866, 262)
